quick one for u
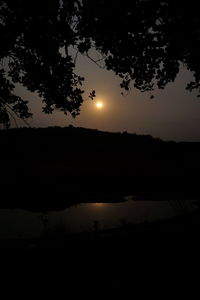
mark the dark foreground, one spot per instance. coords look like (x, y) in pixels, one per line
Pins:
(144, 267)
(161, 261)
(49, 169)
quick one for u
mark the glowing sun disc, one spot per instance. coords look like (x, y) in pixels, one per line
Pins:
(99, 105)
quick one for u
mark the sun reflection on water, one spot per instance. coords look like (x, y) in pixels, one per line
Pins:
(99, 204)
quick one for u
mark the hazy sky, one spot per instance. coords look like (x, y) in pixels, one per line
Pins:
(174, 113)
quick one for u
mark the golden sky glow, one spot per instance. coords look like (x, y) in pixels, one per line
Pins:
(174, 113)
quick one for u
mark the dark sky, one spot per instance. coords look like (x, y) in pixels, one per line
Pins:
(173, 114)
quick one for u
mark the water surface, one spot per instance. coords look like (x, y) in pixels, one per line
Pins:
(19, 223)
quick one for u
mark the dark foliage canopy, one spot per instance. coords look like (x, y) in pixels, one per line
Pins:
(145, 42)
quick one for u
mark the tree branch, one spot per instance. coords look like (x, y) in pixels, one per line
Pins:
(9, 111)
(94, 61)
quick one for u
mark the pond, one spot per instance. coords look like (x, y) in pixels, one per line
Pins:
(18, 223)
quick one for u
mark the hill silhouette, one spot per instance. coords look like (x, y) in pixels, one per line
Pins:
(52, 168)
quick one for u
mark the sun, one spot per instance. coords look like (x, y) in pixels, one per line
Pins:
(99, 105)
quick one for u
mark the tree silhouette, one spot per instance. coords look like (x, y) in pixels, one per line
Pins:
(145, 42)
